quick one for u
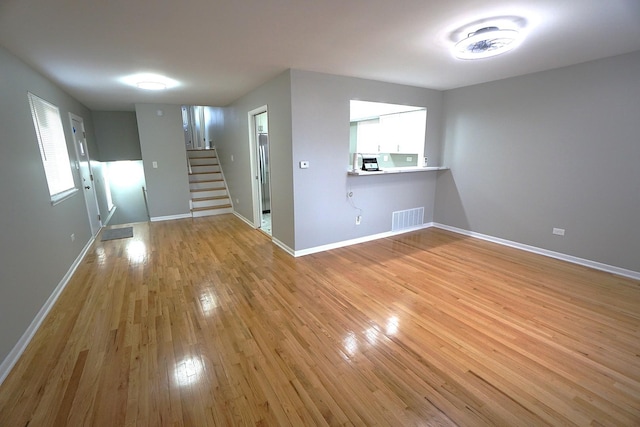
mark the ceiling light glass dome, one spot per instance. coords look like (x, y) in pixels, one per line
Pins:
(486, 42)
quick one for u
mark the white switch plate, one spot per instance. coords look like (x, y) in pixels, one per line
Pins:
(558, 231)
(155, 165)
(304, 164)
(409, 159)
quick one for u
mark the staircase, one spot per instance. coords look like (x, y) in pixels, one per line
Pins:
(209, 195)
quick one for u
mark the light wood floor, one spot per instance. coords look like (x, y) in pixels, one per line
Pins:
(206, 322)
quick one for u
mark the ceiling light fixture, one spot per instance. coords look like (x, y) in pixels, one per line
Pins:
(149, 81)
(151, 85)
(487, 42)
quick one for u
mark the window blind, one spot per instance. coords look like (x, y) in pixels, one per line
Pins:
(53, 147)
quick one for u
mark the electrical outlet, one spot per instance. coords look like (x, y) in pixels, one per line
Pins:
(73, 237)
(409, 159)
(358, 219)
(558, 231)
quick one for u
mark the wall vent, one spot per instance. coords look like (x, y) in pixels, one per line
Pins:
(409, 218)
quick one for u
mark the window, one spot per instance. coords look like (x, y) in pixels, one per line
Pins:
(394, 134)
(53, 148)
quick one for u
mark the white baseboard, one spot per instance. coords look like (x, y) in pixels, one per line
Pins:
(244, 219)
(552, 254)
(14, 355)
(113, 210)
(358, 240)
(170, 217)
(284, 247)
(275, 241)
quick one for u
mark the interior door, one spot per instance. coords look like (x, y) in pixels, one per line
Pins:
(86, 176)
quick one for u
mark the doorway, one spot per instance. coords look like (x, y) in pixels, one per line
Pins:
(86, 176)
(259, 131)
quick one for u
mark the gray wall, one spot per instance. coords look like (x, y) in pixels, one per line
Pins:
(231, 137)
(36, 250)
(117, 135)
(162, 141)
(559, 148)
(320, 117)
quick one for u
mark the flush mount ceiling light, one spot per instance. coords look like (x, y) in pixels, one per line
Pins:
(151, 85)
(149, 81)
(486, 42)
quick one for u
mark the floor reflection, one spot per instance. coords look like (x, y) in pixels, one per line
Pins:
(392, 325)
(188, 371)
(208, 302)
(350, 343)
(136, 251)
(372, 335)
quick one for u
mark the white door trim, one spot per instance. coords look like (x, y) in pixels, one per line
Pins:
(253, 151)
(95, 224)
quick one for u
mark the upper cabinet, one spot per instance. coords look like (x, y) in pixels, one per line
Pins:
(403, 132)
(380, 128)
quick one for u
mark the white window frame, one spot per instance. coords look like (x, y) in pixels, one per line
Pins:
(53, 149)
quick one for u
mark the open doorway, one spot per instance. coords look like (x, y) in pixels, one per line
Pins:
(259, 131)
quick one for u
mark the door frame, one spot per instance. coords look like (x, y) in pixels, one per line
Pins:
(95, 224)
(255, 173)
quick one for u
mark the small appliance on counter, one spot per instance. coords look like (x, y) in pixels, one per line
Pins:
(370, 164)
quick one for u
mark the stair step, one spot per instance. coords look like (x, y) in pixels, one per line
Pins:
(228, 205)
(211, 212)
(208, 192)
(209, 195)
(207, 185)
(205, 176)
(202, 199)
(206, 180)
(204, 161)
(201, 153)
(209, 203)
(198, 169)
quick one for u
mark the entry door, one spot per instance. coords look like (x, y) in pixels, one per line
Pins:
(86, 176)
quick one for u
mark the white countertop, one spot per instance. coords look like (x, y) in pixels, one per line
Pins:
(360, 172)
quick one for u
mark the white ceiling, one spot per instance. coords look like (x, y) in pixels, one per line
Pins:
(221, 49)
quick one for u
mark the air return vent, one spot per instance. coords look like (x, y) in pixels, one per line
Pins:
(409, 218)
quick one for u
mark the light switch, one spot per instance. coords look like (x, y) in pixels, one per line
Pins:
(155, 165)
(304, 164)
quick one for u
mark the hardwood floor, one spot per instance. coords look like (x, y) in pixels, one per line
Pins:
(206, 322)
